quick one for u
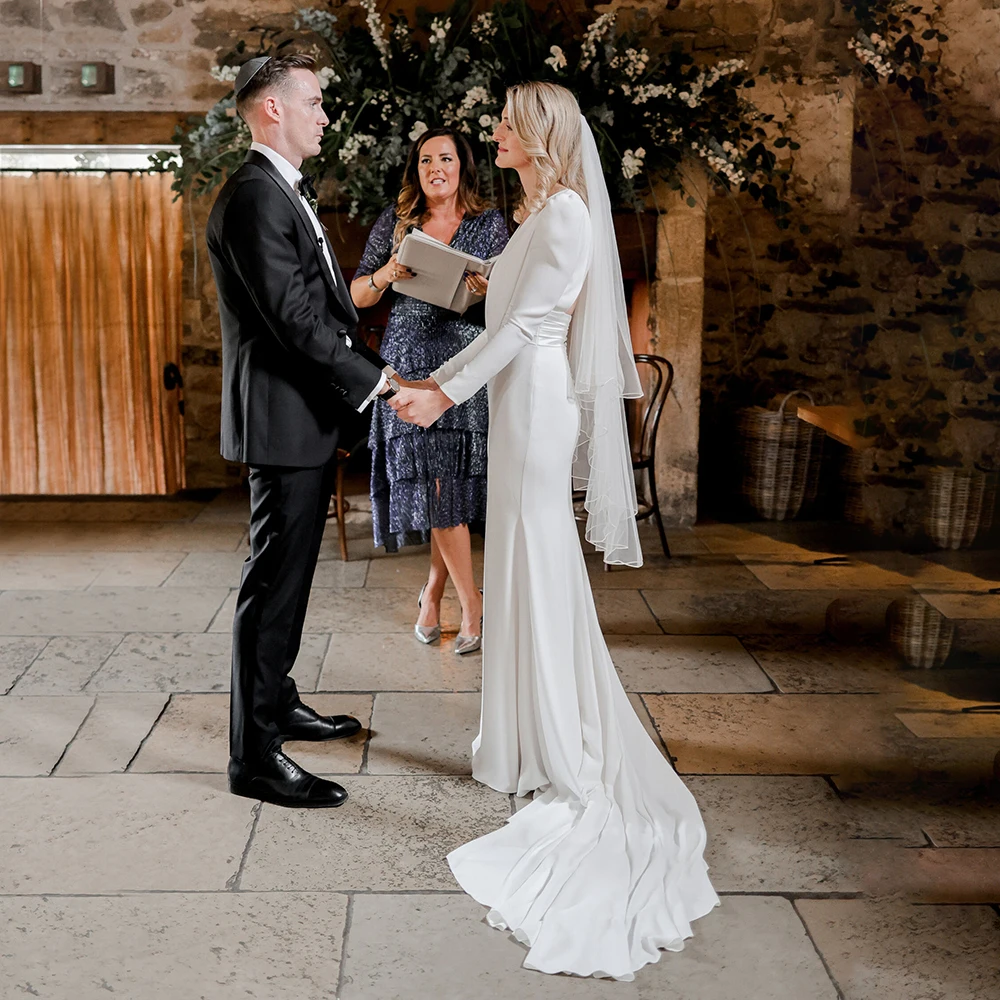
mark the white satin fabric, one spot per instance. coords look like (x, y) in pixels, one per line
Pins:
(604, 868)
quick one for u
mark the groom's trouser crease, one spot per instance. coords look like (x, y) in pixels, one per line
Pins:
(287, 519)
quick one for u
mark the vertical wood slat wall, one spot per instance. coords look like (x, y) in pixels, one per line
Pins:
(90, 302)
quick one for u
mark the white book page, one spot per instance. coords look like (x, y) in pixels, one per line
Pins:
(440, 270)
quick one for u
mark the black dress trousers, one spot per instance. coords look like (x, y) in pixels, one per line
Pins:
(287, 517)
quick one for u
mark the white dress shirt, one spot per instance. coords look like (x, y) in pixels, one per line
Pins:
(292, 175)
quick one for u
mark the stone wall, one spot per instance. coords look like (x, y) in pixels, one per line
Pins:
(883, 290)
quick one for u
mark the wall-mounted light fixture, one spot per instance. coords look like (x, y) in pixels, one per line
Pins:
(20, 78)
(97, 78)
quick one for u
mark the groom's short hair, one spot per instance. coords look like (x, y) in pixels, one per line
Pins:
(274, 73)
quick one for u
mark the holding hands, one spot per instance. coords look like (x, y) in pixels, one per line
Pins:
(420, 403)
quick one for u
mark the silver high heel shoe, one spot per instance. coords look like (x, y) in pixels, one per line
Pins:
(468, 643)
(426, 633)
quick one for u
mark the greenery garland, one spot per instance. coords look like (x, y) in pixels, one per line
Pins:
(652, 107)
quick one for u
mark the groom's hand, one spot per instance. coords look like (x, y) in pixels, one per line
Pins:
(420, 406)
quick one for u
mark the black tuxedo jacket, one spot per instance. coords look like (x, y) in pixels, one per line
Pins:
(289, 378)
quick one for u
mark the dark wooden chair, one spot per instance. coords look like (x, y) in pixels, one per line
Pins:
(338, 502)
(643, 416)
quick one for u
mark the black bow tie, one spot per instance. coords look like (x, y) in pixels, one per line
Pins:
(306, 189)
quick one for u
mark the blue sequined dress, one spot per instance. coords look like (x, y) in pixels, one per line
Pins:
(433, 477)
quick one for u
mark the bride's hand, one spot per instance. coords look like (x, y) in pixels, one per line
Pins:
(420, 406)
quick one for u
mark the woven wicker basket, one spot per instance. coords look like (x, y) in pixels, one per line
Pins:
(955, 507)
(782, 455)
(919, 632)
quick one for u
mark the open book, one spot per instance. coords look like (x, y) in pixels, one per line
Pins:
(440, 272)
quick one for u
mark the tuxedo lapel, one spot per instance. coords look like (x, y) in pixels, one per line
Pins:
(335, 284)
(343, 292)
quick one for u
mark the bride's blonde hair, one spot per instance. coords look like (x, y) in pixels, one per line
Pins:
(546, 118)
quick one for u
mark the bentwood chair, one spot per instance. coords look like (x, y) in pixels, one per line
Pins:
(643, 416)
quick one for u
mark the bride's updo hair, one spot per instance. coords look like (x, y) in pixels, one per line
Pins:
(546, 118)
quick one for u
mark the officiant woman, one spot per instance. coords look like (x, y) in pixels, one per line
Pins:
(430, 484)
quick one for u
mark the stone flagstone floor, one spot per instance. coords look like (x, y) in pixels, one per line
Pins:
(854, 829)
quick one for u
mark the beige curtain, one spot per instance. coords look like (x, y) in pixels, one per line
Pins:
(90, 312)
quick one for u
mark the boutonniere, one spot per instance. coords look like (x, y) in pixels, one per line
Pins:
(307, 190)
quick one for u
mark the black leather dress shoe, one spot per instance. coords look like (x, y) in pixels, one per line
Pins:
(302, 723)
(278, 779)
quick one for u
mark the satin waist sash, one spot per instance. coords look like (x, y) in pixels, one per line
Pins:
(552, 330)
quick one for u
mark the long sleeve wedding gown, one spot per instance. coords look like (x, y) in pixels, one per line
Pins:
(604, 867)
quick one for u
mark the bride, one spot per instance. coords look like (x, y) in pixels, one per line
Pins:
(604, 867)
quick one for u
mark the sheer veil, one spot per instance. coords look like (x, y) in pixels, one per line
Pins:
(604, 373)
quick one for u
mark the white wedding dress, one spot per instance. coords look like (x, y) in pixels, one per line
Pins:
(604, 868)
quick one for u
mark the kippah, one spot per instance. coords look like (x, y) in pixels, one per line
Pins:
(248, 71)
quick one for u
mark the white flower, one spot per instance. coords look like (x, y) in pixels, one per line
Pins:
(649, 91)
(558, 58)
(377, 31)
(872, 52)
(224, 74)
(633, 61)
(326, 76)
(419, 128)
(353, 210)
(600, 27)
(483, 26)
(340, 122)
(353, 145)
(474, 96)
(632, 162)
(719, 162)
(440, 29)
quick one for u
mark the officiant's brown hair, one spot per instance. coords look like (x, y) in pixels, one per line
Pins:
(273, 73)
(411, 205)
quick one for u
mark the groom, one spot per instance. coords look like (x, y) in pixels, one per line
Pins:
(292, 366)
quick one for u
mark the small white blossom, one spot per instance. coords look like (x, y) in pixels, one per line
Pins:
(558, 58)
(709, 78)
(340, 122)
(419, 128)
(600, 27)
(872, 52)
(377, 31)
(474, 96)
(224, 74)
(484, 26)
(484, 120)
(353, 210)
(650, 91)
(440, 29)
(353, 145)
(632, 162)
(719, 162)
(633, 61)
(326, 76)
